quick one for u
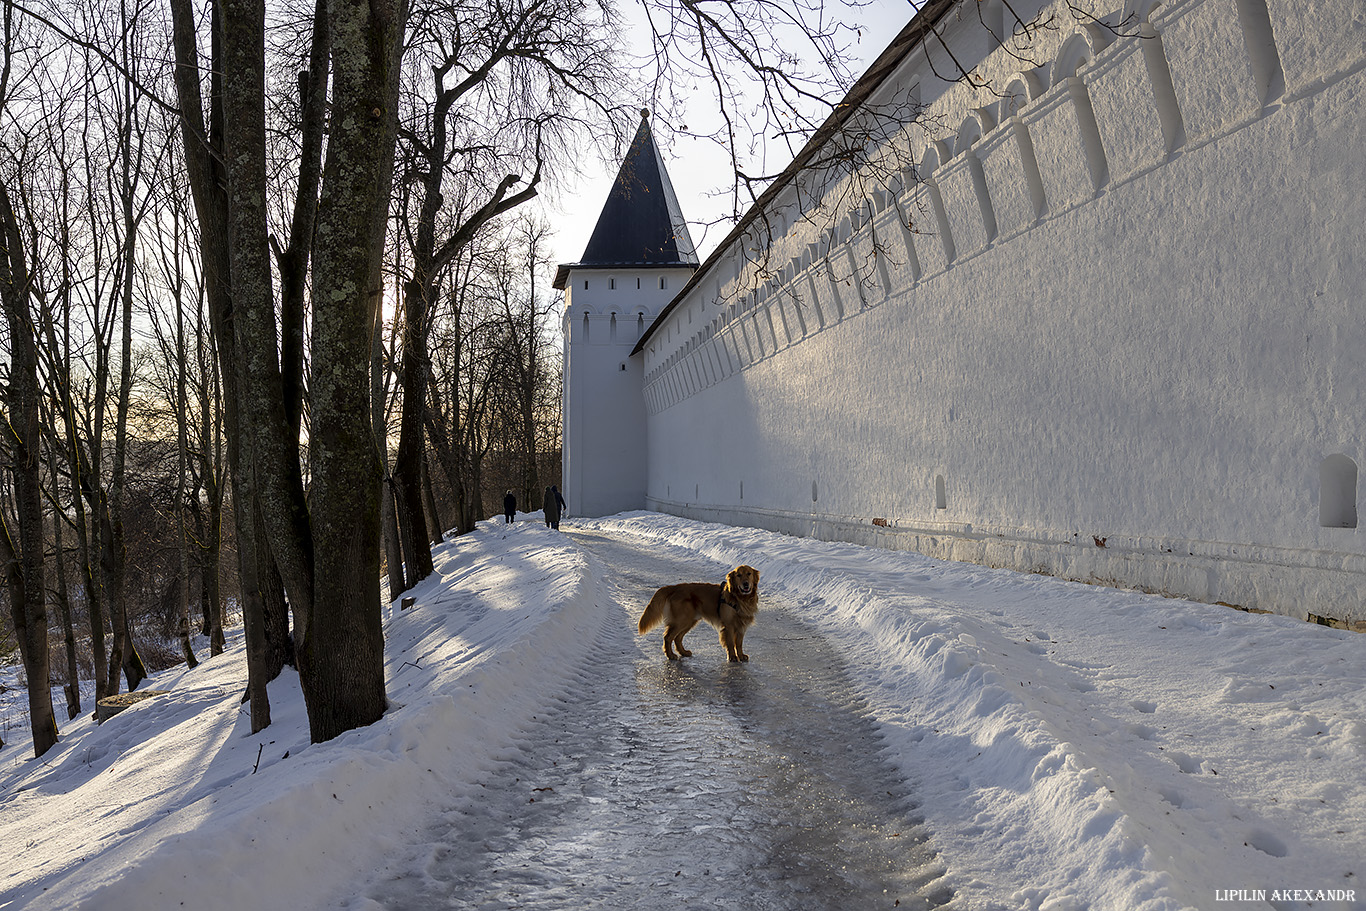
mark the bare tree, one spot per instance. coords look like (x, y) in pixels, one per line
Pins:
(510, 82)
(22, 547)
(327, 546)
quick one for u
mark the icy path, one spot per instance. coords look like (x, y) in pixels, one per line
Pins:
(693, 784)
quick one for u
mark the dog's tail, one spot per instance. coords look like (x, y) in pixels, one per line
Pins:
(654, 612)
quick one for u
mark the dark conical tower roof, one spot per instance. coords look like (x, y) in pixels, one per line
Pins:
(641, 223)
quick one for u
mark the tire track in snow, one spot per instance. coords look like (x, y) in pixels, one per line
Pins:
(693, 784)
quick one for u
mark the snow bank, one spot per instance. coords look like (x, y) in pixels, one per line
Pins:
(1084, 747)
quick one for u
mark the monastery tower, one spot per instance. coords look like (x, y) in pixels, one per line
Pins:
(637, 259)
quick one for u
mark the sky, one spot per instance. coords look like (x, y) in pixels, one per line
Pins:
(1067, 747)
(698, 170)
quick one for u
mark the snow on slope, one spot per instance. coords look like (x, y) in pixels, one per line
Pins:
(1073, 747)
(163, 804)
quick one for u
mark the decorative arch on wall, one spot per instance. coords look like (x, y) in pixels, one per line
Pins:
(936, 152)
(995, 18)
(1139, 11)
(1022, 89)
(1159, 70)
(1079, 49)
(974, 126)
(1338, 492)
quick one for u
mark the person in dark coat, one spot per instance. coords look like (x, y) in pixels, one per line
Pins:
(554, 504)
(509, 507)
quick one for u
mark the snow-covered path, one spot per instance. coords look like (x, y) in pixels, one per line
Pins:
(697, 783)
(1069, 748)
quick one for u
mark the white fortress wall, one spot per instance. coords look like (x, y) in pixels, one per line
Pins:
(1122, 342)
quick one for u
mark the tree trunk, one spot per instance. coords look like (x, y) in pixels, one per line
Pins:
(341, 656)
(86, 547)
(210, 560)
(133, 669)
(28, 595)
(408, 460)
(73, 673)
(430, 498)
(393, 549)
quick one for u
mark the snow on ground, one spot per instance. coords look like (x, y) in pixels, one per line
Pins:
(1071, 747)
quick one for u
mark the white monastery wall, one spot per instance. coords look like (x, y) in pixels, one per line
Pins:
(604, 455)
(1123, 340)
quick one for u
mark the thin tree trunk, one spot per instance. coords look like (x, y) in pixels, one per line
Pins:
(131, 662)
(73, 673)
(430, 497)
(182, 472)
(28, 594)
(393, 548)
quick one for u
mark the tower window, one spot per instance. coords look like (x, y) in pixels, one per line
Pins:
(941, 500)
(585, 284)
(611, 284)
(637, 284)
(663, 283)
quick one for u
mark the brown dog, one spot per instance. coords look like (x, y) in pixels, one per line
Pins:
(730, 607)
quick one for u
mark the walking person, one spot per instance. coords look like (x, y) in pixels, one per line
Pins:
(509, 507)
(554, 505)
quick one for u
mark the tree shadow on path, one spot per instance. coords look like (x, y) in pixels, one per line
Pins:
(687, 784)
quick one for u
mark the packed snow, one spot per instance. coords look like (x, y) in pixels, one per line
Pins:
(1067, 746)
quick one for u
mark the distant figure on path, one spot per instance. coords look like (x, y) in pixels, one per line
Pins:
(509, 507)
(554, 503)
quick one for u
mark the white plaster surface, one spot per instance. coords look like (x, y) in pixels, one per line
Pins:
(1140, 388)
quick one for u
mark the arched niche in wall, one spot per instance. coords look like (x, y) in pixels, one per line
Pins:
(1338, 492)
(974, 126)
(1159, 73)
(1223, 60)
(997, 19)
(1076, 52)
(936, 153)
(975, 225)
(1135, 11)
(1020, 91)
(1079, 49)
